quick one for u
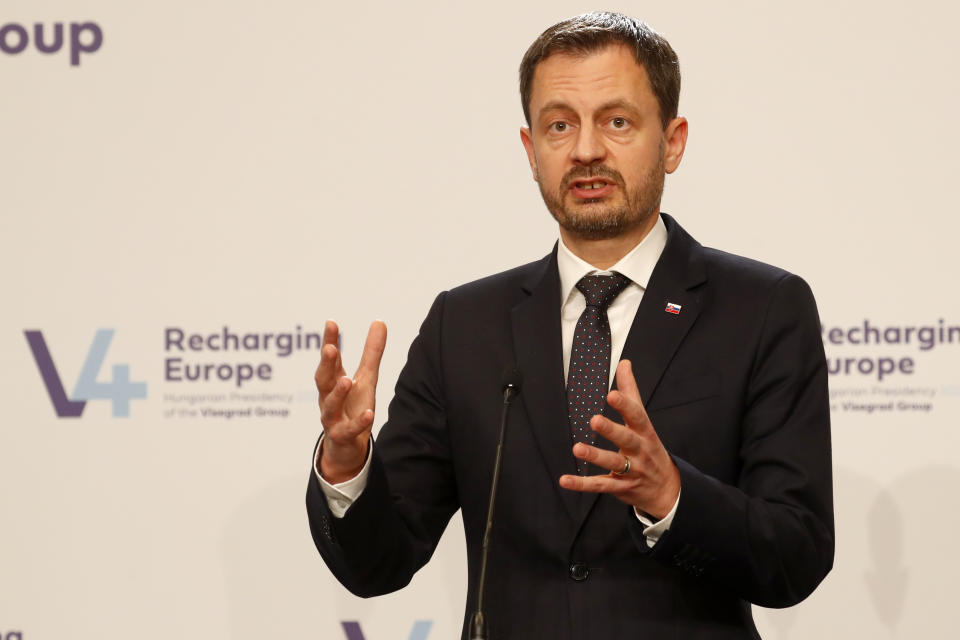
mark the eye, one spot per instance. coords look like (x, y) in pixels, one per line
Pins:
(619, 123)
(558, 127)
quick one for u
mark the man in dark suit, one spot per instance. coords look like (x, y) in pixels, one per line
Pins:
(702, 485)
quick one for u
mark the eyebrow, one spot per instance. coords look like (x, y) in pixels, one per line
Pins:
(619, 103)
(555, 105)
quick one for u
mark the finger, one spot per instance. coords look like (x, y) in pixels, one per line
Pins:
(373, 351)
(624, 437)
(331, 408)
(625, 380)
(330, 368)
(609, 460)
(331, 336)
(363, 422)
(626, 398)
(331, 333)
(592, 484)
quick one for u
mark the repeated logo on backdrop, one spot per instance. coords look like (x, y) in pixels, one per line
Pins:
(222, 374)
(878, 369)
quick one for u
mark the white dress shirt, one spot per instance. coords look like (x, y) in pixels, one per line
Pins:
(637, 266)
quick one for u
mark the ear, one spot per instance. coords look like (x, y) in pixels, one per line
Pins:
(676, 141)
(531, 153)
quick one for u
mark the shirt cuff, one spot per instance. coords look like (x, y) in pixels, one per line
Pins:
(343, 494)
(653, 530)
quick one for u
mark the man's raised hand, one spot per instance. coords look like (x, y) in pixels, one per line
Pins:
(347, 405)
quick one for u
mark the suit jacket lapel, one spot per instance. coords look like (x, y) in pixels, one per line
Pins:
(537, 344)
(656, 334)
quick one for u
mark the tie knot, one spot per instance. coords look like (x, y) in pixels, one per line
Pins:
(600, 291)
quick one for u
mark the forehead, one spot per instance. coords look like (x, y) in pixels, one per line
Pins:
(580, 81)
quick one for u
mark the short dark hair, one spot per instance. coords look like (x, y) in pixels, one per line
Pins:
(591, 32)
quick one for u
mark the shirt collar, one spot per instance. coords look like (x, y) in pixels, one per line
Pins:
(636, 265)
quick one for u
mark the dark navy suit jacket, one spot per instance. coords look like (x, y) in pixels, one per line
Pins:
(736, 387)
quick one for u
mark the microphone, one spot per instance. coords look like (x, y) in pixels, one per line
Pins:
(511, 387)
(510, 383)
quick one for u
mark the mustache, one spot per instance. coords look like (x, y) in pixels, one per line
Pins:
(593, 171)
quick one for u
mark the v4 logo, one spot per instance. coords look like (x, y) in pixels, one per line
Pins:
(120, 390)
(420, 631)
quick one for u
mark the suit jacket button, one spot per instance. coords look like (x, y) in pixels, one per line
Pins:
(579, 571)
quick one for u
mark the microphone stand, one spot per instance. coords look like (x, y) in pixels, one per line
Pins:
(478, 623)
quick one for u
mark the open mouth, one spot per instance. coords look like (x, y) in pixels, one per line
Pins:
(591, 188)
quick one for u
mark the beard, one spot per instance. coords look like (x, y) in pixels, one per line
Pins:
(596, 220)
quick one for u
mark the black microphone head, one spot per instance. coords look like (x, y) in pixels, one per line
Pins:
(511, 379)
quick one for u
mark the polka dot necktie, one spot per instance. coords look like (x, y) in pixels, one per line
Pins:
(588, 379)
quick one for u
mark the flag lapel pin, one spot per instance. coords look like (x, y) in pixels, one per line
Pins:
(673, 308)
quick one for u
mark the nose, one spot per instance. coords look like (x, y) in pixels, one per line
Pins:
(588, 148)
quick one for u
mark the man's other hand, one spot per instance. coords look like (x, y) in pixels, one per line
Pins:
(347, 405)
(651, 482)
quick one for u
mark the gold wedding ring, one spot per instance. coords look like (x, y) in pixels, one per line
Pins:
(626, 467)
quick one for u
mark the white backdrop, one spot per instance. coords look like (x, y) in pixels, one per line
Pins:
(265, 166)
